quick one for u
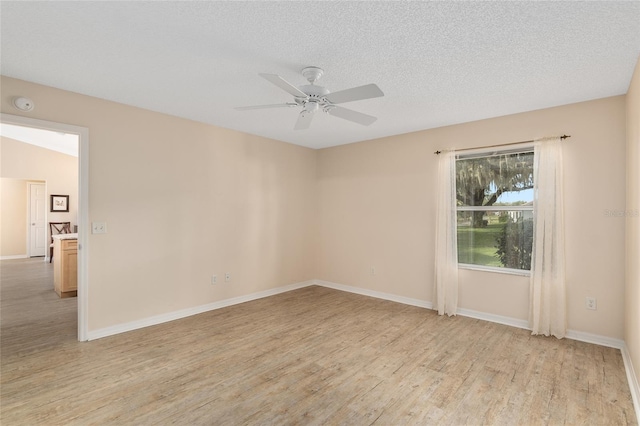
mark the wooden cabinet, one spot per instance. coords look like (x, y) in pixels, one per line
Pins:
(65, 267)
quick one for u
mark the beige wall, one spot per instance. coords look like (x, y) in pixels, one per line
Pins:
(632, 295)
(377, 210)
(13, 217)
(182, 201)
(19, 160)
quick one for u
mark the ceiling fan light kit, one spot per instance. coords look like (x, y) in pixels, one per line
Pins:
(312, 98)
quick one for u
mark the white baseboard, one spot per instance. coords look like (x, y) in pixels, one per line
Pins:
(632, 379)
(376, 294)
(580, 336)
(512, 322)
(170, 316)
(15, 256)
(595, 339)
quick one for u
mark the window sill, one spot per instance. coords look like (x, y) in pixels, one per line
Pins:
(508, 271)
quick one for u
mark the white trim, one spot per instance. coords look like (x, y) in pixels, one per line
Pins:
(377, 294)
(580, 336)
(496, 269)
(83, 234)
(512, 322)
(15, 256)
(632, 379)
(83, 207)
(595, 339)
(183, 313)
(495, 150)
(522, 208)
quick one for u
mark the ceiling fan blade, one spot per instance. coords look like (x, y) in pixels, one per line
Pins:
(247, 108)
(304, 120)
(367, 91)
(284, 85)
(351, 115)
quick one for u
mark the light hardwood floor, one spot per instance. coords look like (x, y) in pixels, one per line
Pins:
(310, 356)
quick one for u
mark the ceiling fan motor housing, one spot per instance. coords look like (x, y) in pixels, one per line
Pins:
(315, 95)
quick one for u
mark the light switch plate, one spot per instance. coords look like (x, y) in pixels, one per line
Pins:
(99, 227)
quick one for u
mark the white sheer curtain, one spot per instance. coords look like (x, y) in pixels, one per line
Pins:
(446, 267)
(547, 314)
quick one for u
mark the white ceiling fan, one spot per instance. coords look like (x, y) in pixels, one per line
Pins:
(313, 98)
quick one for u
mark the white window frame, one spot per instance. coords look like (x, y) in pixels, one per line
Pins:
(483, 154)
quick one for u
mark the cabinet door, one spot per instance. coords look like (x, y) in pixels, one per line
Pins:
(58, 273)
(70, 274)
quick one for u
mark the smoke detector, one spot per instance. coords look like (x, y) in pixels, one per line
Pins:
(23, 104)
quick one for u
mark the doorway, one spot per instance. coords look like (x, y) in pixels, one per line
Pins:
(82, 135)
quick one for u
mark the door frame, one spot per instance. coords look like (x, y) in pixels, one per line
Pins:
(29, 230)
(83, 207)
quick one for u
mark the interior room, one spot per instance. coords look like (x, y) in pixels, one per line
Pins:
(43, 157)
(251, 251)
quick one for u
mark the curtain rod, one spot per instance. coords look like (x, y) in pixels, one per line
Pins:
(503, 144)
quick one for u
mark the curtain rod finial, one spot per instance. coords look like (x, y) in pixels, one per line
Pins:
(565, 136)
(438, 152)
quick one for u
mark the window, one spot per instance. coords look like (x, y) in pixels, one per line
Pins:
(494, 203)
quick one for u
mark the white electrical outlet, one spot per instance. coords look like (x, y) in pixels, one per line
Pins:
(214, 279)
(373, 270)
(227, 277)
(591, 303)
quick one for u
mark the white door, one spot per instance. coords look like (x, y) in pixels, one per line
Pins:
(37, 220)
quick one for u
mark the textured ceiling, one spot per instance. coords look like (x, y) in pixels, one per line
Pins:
(438, 63)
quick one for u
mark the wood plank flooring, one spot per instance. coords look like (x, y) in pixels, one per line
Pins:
(308, 357)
